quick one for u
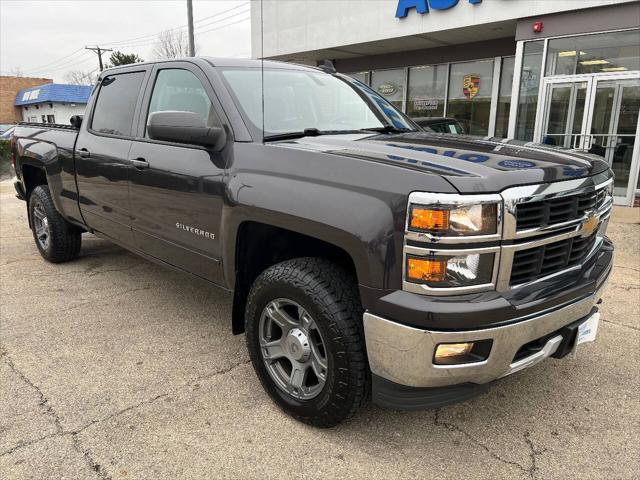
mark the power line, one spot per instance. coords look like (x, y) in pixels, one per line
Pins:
(224, 26)
(72, 58)
(68, 63)
(61, 59)
(73, 64)
(154, 40)
(119, 43)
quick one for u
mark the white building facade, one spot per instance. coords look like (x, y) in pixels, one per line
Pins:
(52, 102)
(560, 72)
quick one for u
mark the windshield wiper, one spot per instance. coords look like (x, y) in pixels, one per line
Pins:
(307, 132)
(387, 129)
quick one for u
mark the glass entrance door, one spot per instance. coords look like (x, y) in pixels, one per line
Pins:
(564, 114)
(613, 130)
(599, 114)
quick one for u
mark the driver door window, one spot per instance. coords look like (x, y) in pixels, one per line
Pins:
(180, 90)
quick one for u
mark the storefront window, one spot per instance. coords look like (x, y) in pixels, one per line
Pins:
(427, 89)
(601, 53)
(504, 97)
(389, 84)
(470, 86)
(361, 76)
(529, 85)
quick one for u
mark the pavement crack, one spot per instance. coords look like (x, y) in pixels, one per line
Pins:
(450, 426)
(93, 273)
(533, 454)
(215, 373)
(28, 443)
(118, 413)
(624, 286)
(43, 400)
(627, 268)
(102, 299)
(88, 458)
(624, 325)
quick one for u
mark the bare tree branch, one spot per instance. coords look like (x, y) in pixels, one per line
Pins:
(78, 77)
(172, 44)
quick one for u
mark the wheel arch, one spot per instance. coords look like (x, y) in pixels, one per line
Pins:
(32, 177)
(259, 246)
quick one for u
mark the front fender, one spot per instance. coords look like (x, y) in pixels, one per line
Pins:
(356, 205)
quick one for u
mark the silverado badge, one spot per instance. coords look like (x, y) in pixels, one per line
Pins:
(471, 85)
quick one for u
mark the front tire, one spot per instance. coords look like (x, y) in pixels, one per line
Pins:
(304, 335)
(57, 240)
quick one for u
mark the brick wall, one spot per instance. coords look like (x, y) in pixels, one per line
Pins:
(9, 86)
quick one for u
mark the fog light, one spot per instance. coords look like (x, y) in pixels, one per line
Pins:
(447, 350)
(461, 353)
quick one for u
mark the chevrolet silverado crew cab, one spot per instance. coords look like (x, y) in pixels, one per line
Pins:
(366, 257)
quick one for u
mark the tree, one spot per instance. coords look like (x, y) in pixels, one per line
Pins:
(78, 77)
(171, 44)
(119, 58)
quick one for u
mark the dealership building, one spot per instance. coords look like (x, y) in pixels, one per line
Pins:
(561, 72)
(52, 102)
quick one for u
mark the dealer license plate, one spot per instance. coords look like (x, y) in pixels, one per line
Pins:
(588, 330)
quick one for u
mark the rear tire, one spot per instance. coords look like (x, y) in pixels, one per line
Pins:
(57, 240)
(323, 338)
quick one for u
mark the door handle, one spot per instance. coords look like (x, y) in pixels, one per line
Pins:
(139, 163)
(84, 153)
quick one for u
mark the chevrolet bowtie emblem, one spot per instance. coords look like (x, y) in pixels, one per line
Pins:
(589, 225)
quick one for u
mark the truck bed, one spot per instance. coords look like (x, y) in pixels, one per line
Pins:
(50, 147)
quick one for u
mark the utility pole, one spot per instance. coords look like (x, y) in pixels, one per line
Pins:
(192, 47)
(99, 51)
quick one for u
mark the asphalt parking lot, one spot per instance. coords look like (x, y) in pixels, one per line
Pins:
(114, 368)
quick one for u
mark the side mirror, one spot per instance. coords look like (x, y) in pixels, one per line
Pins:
(185, 127)
(76, 121)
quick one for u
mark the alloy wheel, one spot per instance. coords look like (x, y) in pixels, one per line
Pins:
(41, 225)
(293, 349)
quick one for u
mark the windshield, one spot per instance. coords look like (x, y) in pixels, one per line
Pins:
(299, 100)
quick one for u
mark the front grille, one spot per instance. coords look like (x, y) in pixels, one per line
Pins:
(552, 211)
(537, 262)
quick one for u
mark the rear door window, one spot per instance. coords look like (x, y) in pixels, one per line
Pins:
(116, 104)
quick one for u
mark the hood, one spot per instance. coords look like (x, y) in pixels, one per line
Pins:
(470, 164)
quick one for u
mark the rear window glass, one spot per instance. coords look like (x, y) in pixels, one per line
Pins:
(116, 103)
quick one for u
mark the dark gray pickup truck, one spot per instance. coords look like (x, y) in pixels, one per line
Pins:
(365, 256)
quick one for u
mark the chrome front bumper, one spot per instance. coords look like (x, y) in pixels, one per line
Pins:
(404, 355)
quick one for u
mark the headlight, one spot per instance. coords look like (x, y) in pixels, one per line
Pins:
(455, 220)
(442, 271)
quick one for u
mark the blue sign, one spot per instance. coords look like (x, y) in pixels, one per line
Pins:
(422, 6)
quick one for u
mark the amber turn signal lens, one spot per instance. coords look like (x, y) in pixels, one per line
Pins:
(426, 270)
(427, 219)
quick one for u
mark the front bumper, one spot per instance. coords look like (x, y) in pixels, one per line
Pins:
(402, 356)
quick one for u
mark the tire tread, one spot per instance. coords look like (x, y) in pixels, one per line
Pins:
(335, 293)
(65, 239)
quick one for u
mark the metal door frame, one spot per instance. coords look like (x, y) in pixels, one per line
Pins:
(585, 136)
(542, 120)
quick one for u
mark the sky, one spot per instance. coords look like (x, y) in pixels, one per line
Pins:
(46, 38)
